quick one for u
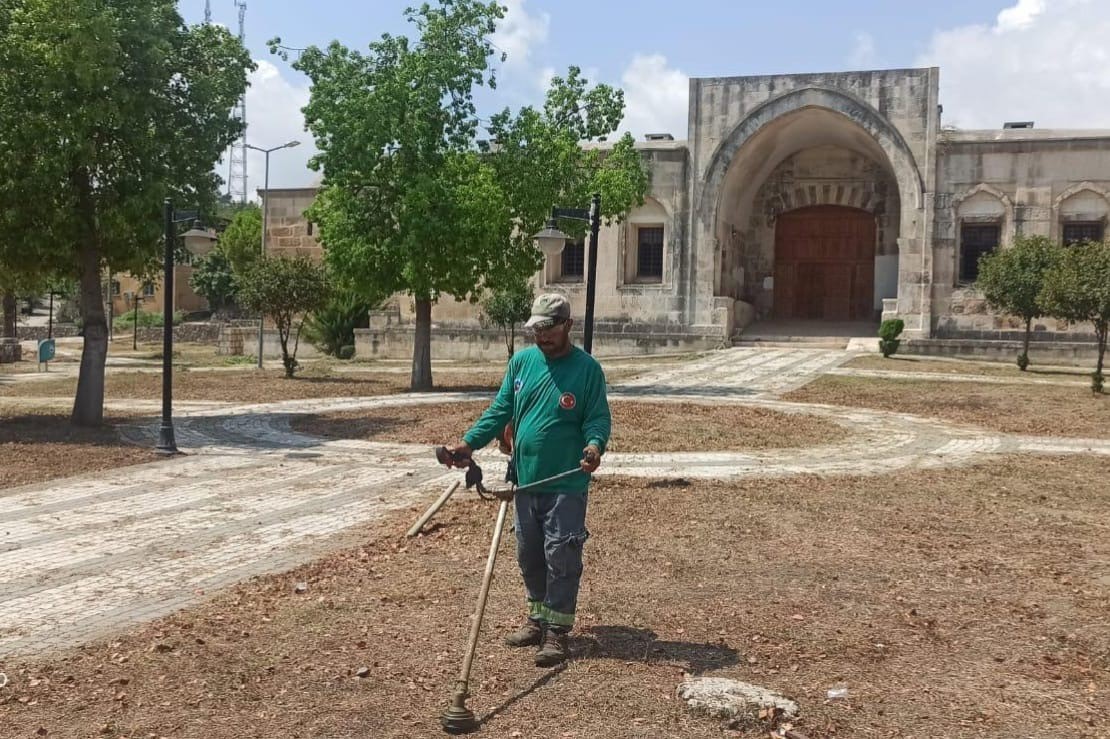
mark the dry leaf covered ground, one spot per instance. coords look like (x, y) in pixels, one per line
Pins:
(1008, 370)
(637, 426)
(38, 445)
(254, 386)
(963, 603)
(1052, 410)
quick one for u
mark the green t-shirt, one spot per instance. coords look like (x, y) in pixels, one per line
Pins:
(557, 407)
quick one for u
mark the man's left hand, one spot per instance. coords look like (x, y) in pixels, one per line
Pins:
(591, 458)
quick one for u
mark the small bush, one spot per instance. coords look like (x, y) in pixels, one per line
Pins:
(889, 332)
(331, 328)
(347, 352)
(127, 320)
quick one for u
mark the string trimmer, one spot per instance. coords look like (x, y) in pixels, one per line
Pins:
(458, 719)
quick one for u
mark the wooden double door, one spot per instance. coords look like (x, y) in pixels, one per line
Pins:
(825, 264)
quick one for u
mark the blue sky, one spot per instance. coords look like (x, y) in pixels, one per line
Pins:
(1047, 60)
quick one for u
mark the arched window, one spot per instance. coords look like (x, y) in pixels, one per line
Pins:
(1083, 214)
(982, 216)
(646, 252)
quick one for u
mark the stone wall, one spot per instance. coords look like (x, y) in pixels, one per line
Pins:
(241, 340)
(1064, 353)
(489, 345)
(10, 351)
(288, 232)
(1026, 181)
(38, 333)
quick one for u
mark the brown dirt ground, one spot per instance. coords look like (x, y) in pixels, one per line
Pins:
(637, 427)
(252, 386)
(989, 369)
(1033, 409)
(36, 447)
(965, 603)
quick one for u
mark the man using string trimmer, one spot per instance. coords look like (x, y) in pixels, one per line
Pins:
(554, 396)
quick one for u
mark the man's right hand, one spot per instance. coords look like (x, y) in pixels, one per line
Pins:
(459, 455)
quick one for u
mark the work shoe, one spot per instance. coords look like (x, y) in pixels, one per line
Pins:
(528, 635)
(554, 649)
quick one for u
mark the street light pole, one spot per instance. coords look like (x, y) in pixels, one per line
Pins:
(552, 241)
(135, 327)
(591, 274)
(266, 221)
(166, 442)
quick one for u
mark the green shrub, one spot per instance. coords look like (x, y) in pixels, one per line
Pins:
(889, 332)
(126, 321)
(347, 352)
(331, 329)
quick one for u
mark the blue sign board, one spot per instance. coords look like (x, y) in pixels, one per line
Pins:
(46, 350)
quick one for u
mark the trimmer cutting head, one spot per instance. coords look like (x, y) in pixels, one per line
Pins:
(458, 720)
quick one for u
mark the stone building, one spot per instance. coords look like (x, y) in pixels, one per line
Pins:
(811, 203)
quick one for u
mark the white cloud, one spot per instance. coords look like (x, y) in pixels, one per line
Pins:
(273, 118)
(1020, 16)
(656, 97)
(1042, 60)
(863, 54)
(519, 32)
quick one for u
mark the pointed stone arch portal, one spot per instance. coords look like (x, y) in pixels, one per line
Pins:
(813, 201)
(824, 264)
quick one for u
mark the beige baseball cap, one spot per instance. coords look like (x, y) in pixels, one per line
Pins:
(547, 309)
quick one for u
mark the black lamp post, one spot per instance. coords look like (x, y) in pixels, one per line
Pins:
(552, 241)
(166, 442)
(135, 327)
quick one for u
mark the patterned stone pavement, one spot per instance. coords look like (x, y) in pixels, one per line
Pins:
(83, 557)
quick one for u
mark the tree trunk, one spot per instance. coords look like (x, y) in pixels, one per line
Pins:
(1024, 361)
(422, 347)
(1102, 328)
(88, 405)
(11, 309)
(289, 363)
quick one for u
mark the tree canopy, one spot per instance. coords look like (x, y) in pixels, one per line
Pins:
(1012, 279)
(1077, 288)
(412, 200)
(106, 108)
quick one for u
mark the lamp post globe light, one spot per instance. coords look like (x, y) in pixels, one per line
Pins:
(265, 218)
(551, 241)
(196, 240)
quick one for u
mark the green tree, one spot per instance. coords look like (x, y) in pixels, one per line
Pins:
(1011, 280)
(1077, 288)
(284, 289)
(411, 202)
(241, 241)
(214, 281)
(107, 108)
(507, 306)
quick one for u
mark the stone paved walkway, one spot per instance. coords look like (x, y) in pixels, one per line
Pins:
(83, 557)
